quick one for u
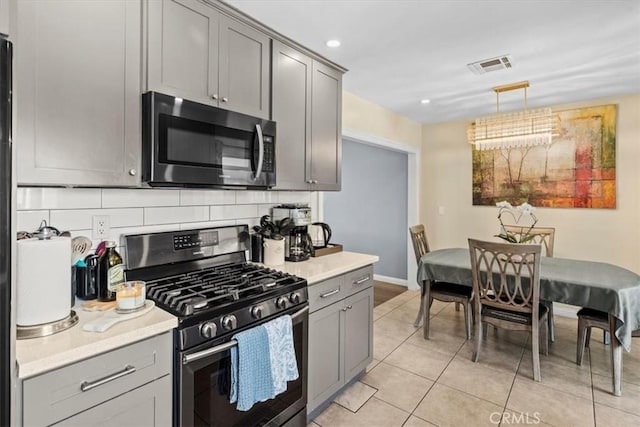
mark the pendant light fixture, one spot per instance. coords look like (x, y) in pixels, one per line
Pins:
(524, 128)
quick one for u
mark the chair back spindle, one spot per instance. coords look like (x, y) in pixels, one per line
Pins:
(543, 236)
(419, 240)
(506, 275)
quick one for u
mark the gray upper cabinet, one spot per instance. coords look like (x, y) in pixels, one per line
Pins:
(326, 129)
(225, 65)
(183, 50)
(306, 105)
(77, 89)
(291, 106)
(4, 17)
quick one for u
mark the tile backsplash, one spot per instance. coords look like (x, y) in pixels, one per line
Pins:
(147, 210)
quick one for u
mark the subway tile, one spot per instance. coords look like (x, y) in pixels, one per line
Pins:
(175, 215)
(233, 212)
(125, 198)
(31, 198)
(246, 197)
(251, 222)
(83, 218)
(207, 197)
(294, 197)
(265, 210)
(30, 220)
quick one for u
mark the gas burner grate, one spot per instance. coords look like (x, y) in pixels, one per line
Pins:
(212, 287)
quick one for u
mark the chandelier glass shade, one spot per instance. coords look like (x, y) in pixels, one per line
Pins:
(518, 129)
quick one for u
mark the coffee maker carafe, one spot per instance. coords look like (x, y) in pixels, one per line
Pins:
(298, 245)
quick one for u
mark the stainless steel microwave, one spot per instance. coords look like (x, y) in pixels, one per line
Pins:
(189, 144)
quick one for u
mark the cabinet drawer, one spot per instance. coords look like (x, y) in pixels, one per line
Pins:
(324, 293)
(358, 280)
(58, 394)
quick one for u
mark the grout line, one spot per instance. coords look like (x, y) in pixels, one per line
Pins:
(524, 347)
(593, 394)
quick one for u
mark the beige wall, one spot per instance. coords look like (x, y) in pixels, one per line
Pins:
(368, 118)
(608, 235)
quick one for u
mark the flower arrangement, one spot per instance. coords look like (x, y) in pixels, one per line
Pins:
(525, 210)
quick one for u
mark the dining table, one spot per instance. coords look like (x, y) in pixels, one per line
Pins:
(601, 286)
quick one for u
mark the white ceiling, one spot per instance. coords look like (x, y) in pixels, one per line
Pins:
(399, 52)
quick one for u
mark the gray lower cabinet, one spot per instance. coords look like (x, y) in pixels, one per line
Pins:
(340, 333)
(198, 53)
(131, 385)
(307, 107)
(77, 92)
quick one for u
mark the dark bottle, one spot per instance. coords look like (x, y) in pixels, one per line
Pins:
(110, 272)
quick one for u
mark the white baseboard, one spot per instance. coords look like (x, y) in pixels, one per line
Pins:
(393, 280)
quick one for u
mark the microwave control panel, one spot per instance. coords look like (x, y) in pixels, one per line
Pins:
(269, 154)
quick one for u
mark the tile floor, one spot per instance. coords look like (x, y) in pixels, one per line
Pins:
(415, 383)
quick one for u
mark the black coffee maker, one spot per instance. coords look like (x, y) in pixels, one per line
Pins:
(298, 245)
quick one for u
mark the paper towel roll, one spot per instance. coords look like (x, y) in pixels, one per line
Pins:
(43, 288)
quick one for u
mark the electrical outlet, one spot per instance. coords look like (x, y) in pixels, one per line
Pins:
(101, 228)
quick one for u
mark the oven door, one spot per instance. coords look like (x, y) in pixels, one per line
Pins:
(190, 144)
(203, 379)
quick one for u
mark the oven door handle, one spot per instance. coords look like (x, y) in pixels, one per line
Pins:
(188, 358)
(261, 155)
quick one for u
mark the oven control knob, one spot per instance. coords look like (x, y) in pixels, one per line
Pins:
(281, 302)
(256, 312)
(294, 298)
(208, 330)
(229, 322)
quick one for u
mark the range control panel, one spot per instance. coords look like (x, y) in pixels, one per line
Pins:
(195, 240)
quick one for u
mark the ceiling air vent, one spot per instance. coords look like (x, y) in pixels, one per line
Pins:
(501, 62)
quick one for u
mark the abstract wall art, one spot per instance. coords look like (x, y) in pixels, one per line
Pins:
(577, 170)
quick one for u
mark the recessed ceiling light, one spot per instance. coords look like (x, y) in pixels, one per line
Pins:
(333, 43)
(425, 101)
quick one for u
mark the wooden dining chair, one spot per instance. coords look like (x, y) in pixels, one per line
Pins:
(589, 318)
(441, 291)
(506, 287)
(545, 237)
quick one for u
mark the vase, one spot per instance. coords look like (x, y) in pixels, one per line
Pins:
(273, 253)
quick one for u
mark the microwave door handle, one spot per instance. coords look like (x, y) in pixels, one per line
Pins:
(261, 155)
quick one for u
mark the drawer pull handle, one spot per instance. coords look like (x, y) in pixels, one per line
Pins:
(362, 280)
(349, 307)
(328, 294)
(86, 385)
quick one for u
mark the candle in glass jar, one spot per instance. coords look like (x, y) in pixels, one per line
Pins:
(130, 295)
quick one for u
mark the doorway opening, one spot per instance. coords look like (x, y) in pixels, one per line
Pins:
(404, 209)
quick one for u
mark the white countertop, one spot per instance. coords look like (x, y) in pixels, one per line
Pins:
(38, 355)
(324, 267)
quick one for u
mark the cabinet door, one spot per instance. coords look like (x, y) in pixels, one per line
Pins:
(326, 128)
(326, 374)
(244, 69)
(183, 50)
(149, 405)
(291, 107)
(77, 81)
(358, 333)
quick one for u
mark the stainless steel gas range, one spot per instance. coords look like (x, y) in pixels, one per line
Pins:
(202, 277)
